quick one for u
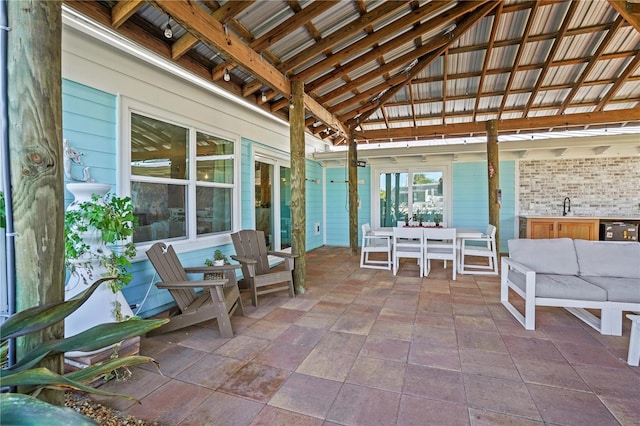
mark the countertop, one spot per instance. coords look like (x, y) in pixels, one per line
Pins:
(602, 218)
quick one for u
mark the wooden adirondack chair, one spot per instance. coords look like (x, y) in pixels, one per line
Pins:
(219, 299)
(251, 252)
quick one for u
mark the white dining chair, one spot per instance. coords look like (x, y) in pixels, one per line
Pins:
(440, 244)
(484, 246)
(408, 242)
(372, 243)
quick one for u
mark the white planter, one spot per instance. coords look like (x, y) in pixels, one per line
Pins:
(100, 307)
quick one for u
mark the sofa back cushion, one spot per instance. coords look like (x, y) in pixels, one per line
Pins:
(552, 256)
(608, 258)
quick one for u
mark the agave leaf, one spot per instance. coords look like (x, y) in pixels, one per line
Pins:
(44, 378)
(40, 317)
(18, 409)
(88, 374)
(97, 337)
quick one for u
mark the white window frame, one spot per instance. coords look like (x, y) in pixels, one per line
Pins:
(411, 167)
(123, 153)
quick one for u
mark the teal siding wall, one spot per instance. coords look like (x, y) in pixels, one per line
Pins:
(314, 204)
(338, 204)
(470, 192)
(89, 125)
(246, 185)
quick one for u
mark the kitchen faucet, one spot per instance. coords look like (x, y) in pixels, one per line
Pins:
(566, 206)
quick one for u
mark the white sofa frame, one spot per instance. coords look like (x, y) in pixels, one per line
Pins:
(609, 323)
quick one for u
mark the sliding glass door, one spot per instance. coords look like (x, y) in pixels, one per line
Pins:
(273, 201)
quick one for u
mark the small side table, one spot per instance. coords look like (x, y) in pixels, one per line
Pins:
(634, 342)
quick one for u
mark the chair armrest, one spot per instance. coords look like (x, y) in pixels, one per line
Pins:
(246, 260)
(192, 284)
(517, 265)
(211, 269)
(282, 254)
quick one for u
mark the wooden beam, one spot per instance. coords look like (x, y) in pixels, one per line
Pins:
(298, 185)
(628, 11)
(493, 177)
(353, 195)
(533, 123)
(197, 21)
(296, 21)
(221, 14)
(123, 10)
(339, 35)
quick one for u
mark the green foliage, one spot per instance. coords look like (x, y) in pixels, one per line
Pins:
(217, 255)
(114, 218)
(32, 379)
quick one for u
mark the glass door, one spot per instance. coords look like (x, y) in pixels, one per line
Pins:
(273, 202)
(422, 201)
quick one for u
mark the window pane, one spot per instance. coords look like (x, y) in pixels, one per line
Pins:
(393, 198)
(214, 161)
(427, 196)
(158, 149)
(160, 209)
(213, 210)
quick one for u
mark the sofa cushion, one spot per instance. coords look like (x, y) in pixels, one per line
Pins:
(618, 289)
(608, 258)
(561, 287)
(552, 256)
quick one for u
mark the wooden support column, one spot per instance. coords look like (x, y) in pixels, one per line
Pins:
(34, 61)
(353, 196)
(298, 188)
(493, 163)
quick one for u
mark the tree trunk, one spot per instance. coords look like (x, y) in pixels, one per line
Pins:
(35, 135)
(353, 195)
(493, 163)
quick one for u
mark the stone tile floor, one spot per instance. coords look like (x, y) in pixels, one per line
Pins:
(364, 347)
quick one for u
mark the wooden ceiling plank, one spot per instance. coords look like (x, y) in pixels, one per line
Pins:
(365, 43)
(487, 56)
(630, 69)
(592, 63)
(462, 27)
(123, 10)
(622, 7)
(361, 60)
(339, 35)
(221, 14)
(529, 124)
(297, 20)
(516, 63)
(573, 6)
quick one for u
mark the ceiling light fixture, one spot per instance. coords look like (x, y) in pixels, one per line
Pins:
(263, 97)
(226, 76)
(168, 32)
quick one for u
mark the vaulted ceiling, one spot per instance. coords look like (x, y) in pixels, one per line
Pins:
(405, 70)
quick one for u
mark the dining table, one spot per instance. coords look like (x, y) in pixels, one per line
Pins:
(461, 234)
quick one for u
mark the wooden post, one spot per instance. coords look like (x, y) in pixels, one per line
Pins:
(493, 162)
(35, 136)
(353, 196)
(298, 187)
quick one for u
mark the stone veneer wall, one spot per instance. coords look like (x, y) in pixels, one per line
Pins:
(601, 187)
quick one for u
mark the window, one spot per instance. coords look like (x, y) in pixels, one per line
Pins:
(182, 180)
(424, 200)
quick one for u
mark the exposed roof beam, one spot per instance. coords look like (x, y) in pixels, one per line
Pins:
(628, 11)
(337, 36)
(573, 6)
(123, 10)
(487, 56)
(524, 124)
(297, 20)
(622, 78)
(197, 21)
(222, 14)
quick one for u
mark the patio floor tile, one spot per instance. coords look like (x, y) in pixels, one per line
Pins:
(342, 342)
(303, 336)
(308, 395)
(377, 373)
(255, 381)
(270, 416)
(283, 355)
(419, 412)
(221, 409)
(501, 396)
(359, 405)
(386, 348)
(211, 371)
(171, 402)
(327, 364)
(434, 383)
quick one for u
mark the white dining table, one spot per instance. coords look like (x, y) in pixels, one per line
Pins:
(461, 234)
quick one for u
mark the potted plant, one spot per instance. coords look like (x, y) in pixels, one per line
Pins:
(219, 259)
(437, 218)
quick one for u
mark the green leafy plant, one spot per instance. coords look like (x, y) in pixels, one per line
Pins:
(31, 379)
(113, 217)
(217, 256)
